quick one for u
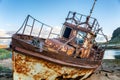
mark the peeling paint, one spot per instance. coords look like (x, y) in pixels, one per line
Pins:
(30, 68)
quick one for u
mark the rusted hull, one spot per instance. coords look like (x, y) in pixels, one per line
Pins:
(31, 68)
(31, 64)
(59, 58)
(73, 55)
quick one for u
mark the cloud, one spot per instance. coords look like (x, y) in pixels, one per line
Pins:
(3, 33)
(56, 30)
(44, 32)
(10, 25)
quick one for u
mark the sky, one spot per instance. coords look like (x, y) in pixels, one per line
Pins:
(54, 12)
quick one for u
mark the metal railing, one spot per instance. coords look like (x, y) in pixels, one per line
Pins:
(80, 19)
(33, 27)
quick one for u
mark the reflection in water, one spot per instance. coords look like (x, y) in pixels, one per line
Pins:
(110, 54)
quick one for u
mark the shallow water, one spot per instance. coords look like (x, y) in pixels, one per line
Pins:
(111, 53)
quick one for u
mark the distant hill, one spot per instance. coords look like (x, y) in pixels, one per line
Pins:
(115, 36)
(116, 33)
(115, 40)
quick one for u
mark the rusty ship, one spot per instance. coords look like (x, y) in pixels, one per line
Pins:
(40, 54)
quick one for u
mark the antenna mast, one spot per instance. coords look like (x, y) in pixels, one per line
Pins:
(92, 8)
(88, 17)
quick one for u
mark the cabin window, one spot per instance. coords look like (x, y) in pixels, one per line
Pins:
(67, 32)
(80, 37)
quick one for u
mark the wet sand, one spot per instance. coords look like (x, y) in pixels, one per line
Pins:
(110, 70)
(6, 63)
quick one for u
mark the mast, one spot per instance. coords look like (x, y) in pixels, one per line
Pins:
(92, 8)
(88, 17)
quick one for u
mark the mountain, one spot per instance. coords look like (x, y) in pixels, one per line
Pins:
(116, 33)
(115, 36)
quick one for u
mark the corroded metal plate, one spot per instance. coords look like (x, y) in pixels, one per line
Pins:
(30, 68)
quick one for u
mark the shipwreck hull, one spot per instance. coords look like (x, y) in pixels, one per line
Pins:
(30, 68)
(31, 64)
(74, 54)
(21, 46)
